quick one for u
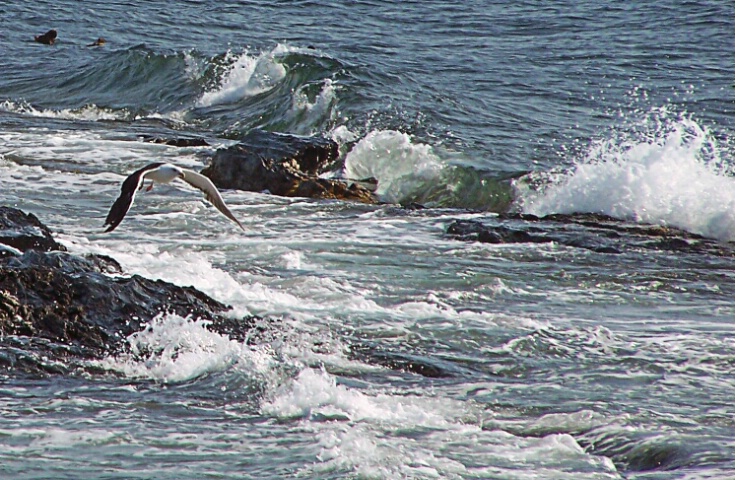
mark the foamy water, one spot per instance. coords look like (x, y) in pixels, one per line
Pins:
(175, 349)
(89, 112)
(401, 166)
(247, 76)
(674, 175)
(387, 349)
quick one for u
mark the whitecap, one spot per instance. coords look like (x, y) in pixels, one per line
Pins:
(88, 112)
(374, 434)
(247, 76)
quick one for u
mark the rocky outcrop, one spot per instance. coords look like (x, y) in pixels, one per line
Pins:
(57, 309)
(285, 165)
(598, 233)
(23, 231)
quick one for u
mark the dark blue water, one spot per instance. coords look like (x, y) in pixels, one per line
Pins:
(564, 363)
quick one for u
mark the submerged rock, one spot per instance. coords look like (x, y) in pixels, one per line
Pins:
(57, 309)
(418, 363)
(598, 233)
(637, 450)
(285, 165)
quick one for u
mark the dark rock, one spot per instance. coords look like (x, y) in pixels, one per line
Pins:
(417, 361)
(64, 262)
(176, 142)
(285, 165)
(47, 38)
(598, 233)
(400, 361)
(24, 231)
(477, 231)
(57, 309)
(73, 303)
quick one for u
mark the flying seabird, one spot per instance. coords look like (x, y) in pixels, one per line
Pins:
(163, 173)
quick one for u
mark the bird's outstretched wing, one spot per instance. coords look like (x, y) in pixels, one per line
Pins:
(127, 194)
(211, 193)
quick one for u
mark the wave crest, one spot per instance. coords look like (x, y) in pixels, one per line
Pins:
(245, 77)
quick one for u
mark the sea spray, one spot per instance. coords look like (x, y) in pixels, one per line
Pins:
(176, 349)
(409, 171)
(667, 171)
(247, 76)
(402, 168)
(312, 106)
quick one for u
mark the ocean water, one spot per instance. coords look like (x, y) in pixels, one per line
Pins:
(559, 362)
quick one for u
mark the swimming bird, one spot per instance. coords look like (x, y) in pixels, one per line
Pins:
(98, 43)
(163, 173)
(47, 38)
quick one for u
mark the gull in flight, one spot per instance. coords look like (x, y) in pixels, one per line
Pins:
(163, 173)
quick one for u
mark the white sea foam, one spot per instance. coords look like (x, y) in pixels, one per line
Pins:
(375, 435)
(249, 75)
(176, 349)
(62, 439)
(673, 174)
(401, 166)
(88, 112)
(316, 394)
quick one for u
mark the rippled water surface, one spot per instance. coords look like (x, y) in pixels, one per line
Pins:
(541, 360)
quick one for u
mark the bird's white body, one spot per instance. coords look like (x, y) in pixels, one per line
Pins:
(166, 173)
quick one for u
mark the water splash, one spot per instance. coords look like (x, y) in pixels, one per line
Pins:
(247, 76)
(177, 349)
(668, 170)
(310, 110)
(88, 112)
(402, 168)
(409, 171)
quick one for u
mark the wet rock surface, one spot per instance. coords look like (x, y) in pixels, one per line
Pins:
(598, 233)
(181, 142)
(285, 165)
(22, 231)
(58, 309)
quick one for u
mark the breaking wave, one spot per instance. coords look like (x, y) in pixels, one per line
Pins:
(670, 170)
